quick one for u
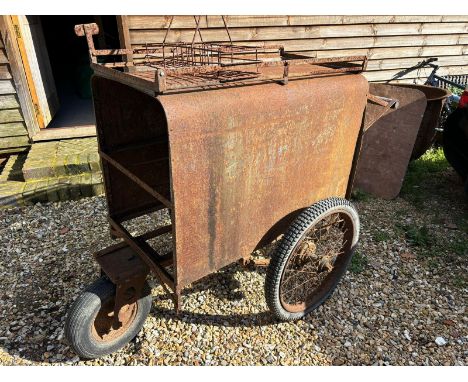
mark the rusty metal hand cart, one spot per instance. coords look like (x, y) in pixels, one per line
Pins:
(242, 145)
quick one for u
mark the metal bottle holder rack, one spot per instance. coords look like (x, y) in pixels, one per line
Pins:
(159, 68)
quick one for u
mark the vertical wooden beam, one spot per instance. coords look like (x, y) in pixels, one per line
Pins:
(19, 76)
(124, 38)
(27, 71)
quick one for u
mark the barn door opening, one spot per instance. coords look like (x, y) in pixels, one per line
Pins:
(57, 68)
(36, 66)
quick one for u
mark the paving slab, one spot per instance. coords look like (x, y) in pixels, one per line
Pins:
(52, 171)
(61, 158)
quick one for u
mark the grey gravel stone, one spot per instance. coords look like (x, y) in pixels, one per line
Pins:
(372, 318)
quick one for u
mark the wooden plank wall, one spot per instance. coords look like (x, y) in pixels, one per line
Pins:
(13, 133)
(392, 43)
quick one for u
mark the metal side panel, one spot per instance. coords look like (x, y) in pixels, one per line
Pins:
(246, 160)
(388, 143)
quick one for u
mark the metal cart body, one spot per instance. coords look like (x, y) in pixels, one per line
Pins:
(235, 165)
(241, 144)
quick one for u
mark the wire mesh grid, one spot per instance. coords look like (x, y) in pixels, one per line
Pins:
(178, 55)
(460, 79)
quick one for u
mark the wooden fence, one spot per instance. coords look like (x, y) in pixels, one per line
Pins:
(392, 43)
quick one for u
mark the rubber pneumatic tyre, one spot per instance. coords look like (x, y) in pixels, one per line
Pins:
(82, 315)
(308, 220)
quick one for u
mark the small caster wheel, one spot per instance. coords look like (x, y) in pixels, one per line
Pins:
(311, 258)
(89, 324)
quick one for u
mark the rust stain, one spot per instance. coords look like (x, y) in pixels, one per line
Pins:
(262, 153)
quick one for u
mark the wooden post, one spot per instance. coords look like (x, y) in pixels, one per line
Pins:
(124, 38)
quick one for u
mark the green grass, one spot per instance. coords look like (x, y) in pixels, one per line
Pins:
(421, 177)
(433, 264)
(460, 281)
(381, 236)
(401, 212)
(358, 263)
(462, 224)
(459, 247)
(360, 196)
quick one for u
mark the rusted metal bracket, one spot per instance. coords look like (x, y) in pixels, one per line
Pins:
(160, 80)
(127, 293)
(127, 271)
(148, 256)
(286, 73)
(383, 101)
(88, 30)
(374, 113)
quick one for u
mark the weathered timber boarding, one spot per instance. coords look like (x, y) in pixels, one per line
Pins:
(13, 133)
(392, 43)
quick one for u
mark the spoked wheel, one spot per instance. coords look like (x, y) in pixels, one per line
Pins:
(311, 258)
(91, 328)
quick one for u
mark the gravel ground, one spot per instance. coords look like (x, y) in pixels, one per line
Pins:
(403, 301)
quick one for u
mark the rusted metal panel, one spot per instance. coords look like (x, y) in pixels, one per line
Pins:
(245, 160)
(388, 140)
(427, 130)
(131, 130)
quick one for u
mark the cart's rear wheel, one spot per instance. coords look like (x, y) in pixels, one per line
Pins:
(311, 258)
(90, 326)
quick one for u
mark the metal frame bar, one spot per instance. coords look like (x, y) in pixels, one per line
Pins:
(147, 254)
(134, 178)
(159, 85)
(154, 261)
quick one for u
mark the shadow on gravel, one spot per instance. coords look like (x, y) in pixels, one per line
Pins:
(432, 178)
(40, 332)
(221, 285)
(235, 320)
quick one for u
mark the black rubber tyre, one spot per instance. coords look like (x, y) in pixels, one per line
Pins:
(294, 238)
(455, 141)
(80, 322)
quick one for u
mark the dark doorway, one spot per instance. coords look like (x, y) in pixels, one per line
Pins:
(69, 62)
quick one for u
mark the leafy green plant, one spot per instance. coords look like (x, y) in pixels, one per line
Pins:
(460, 281)
(454, 90)
(433, 264)
(358, 263)
(416, 236)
